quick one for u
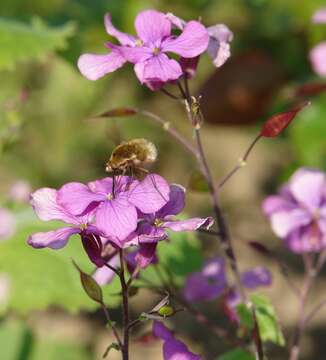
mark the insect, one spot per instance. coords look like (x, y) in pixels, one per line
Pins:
(132, 156)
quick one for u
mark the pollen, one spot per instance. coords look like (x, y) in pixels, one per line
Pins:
(158, 222)
(109, 196)
(139, 43)
(156, 51)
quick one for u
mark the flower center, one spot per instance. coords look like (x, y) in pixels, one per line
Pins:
(139, 43)
(158, 222)
(109, 196)
(83, 227)
(156, 50)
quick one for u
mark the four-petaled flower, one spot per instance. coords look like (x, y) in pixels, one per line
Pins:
(115, 202)
(298, 213)
(148, 51)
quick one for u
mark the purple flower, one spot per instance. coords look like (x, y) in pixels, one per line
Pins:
(208, 283)
(116, 213)
(298, 213)
(173, 349)
(318, 58)
(218, 47)
(20, 191)
(147, 51)
(318, 53)
(319, 16)
(7, 224)
(154, 226)
(46, 206)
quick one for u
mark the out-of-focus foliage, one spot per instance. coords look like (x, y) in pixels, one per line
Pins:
(237, 354)
(39, 279)
(18, 342)
(21, 41)
(178, 258)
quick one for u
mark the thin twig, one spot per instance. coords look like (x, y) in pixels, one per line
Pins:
(242, 162)
(173, 132)
(169, 94)
(310, 274)
(115, 332)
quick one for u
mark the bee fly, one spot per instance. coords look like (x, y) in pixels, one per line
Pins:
(132, 156)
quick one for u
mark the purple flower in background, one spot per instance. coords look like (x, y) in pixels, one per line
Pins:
(173, 349)
(154, 226)
(148, 50)
(7, 224)
(208, 283)
(116, 213)
(218, 47)
(211, 282)
(46, 206)
(20, 191)
(319, 16)
(298, 213)
(318, 53)
(318, 58)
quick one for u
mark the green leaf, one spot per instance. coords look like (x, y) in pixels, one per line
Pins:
(237, 354)
(269, 327)
(91, 287)
(39, 278)
(21, 42)
(245, 316)
(177, 258)
(307, 135)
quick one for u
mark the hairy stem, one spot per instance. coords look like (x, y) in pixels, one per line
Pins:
(310, 274)
(125, 309)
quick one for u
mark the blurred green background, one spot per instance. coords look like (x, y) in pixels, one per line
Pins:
(49, 134)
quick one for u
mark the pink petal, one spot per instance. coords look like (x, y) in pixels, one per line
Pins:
(192, 42)
(46, 206)
(276, 203)
(159, 68)
(94, 66)
(306, 239)
(218, 47)
(146, 254)
(116, 218)
(7, 224)
(104, 275)
(152, 26)
(319, 16)
(284, 222)
(307, 187)
(77, 197)
(176, 202)
(135, 54)
(124, 39)
(55, 239)
(161, 331)
(189, 224)
(103, 186)
(176, 21)
(154, 189)
(318, 58)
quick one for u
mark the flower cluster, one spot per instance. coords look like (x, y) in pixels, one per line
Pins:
(148, 50)
(211, 283)
(113, 213)
(298, 212)
(318, 53)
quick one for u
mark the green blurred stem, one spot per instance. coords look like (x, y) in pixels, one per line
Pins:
(115, 332)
